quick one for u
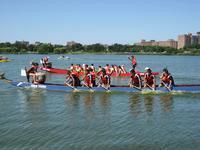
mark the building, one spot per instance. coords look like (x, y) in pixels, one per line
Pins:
(184, 41)
(169, 43)
(146, 43)
(70, 43)
(188, 40)
(198, 35)
(22, 42)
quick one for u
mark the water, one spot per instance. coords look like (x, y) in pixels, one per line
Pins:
(40, 119)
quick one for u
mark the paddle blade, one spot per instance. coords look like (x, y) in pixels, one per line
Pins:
(23, 72)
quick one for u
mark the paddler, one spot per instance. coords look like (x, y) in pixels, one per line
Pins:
(39, 78)
(149, 79)
(107, 68)
(123, 68)
(135, 80)
(72, 79)
(167, 79)
(133, 61)
(88, 79)
(46, 62)
(99, 72)
(105, 80)
(92, 67)
(93, 73)
(31, 71)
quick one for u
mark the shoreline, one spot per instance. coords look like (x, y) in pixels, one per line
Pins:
(109, 53)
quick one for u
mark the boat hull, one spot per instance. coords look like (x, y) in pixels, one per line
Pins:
(61, 87)
(64, 71)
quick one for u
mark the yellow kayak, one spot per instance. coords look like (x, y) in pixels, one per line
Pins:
(4, 60)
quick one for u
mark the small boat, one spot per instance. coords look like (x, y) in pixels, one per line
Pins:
(5, 60)
(64, 71)
(64, 57)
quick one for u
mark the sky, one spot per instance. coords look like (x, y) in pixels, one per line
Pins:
(97, 21)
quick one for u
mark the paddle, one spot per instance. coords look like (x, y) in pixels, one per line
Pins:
(23, 72)
(91, 90)
(75, 89)
(166, 86)
(150, 87)
(135, 87)
(107, 89)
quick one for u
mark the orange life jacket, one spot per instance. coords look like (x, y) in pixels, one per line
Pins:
(149, 78)
(166, 79)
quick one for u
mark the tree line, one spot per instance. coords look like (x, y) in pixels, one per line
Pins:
(44, 48)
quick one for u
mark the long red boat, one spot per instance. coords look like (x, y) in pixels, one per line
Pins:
(64, 71)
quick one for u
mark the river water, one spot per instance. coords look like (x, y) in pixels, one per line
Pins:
(40, 119)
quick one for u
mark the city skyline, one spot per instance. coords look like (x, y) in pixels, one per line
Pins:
(88, 22)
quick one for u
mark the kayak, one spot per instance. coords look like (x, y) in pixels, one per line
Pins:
(64, 57)
(64, 71)
(113, 88)
(5, 60)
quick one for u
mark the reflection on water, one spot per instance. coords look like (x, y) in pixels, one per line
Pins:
(89, 102)
(135, 104)
(72, 99)
(149, 102)
(166, 101)
(104, 99)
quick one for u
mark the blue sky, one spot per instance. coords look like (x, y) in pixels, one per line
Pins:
(93, 21)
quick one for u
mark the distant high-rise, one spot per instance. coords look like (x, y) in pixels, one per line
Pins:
(184, 41)
(198, 35)
(188, 40)
(169, 43)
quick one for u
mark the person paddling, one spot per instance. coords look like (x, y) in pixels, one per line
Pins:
(105, 80)
(135, 80)
(88, 79)
(72, 79)
(167, 79)
(31, 71)
(39, 78)
(133, 61)
(149, 79)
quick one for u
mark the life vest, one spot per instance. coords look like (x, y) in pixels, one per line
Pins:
(33, 69)
(107, 68)
(135, 80)
(76, 80)
(75, 73)
(167, 78)
(105, 79)
(93, 75)
(88, 79)
(149, 78)
(134, 62)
